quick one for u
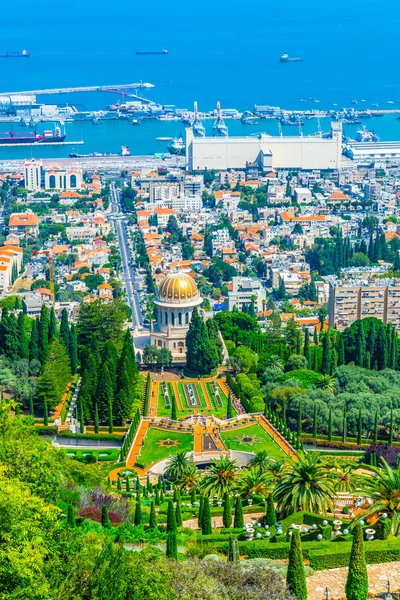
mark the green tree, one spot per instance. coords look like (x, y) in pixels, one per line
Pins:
(71, 516)
(52, 325)
(43, 333)
(238, 521)
(201, 356)
(174, 409)
(330, 433)
(172, 547)
(138, 520)
(221, 477)
(270, 517)
(64, 328)
(178, 513)
(233, 550)
(326, 355)
(153, 516)
(22, 336)
(105, 521)
(73, 350)
(104, 393)
(230, 413)
(206, 527)
(227, 514)
(296, 578)
(171, 518)
(357, 577)
(34, 341)
(306, 350)
(359, 428)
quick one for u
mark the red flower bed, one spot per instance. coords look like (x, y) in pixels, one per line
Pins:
(94, 514)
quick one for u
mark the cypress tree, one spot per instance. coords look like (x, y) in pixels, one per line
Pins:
(162, 499)
(315, 424)
(104, 393)
(315, 338)
(238, 521)
(43, 333)
(64, 328)
(45, 412)
(344, 425)
(71, 516)
(357, 577)
(359, 428)
(157, 498)
(330, 425)
(171, 518)
(73, 350)
(148, 484)
(200, 515)
(306, 350)
(119, 487)
(138, 509)
(325, 368)
(270, 516)
(206, 527)
(201, 355)
(81, 417)
(178, 513)
(105, 521)
(233, 550)
(31, 408)
(300, 419)
(391, 432)
(110, 419)
(360, 344)
(173, 409)
(172, 547)
(34, 341)
(340, 350)
(376, 427)
(23, 338)
(229, 409)
(153, 516)
(193, 497)
(381, 349)
(52, 325)
(296, 577)
(127, 485)
(367, 360)
(227, 514)
(96, 419)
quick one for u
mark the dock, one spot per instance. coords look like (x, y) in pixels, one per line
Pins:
(42, 144)
(90, 88)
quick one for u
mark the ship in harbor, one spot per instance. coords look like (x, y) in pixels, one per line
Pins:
(47, 137)
(365, 135)
(219, 127)
(198, 127)
(23, 54)
(124, 152)
(177, 146)
(152, 52)
(285, 58)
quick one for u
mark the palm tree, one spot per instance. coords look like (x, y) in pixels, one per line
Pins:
(274, 362)
(327, 383)
(384, 489)
(189, 478)
(305, 483)
(260, 461)
(177, 465)
(346, 480)
(221, 477)
(275, 468)
(253, 481)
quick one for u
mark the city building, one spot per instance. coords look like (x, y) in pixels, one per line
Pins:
(55, 178)
(22, 224)
(245, 291)
(356, 299)
(268, 152)
(33, 174)
(177, 296)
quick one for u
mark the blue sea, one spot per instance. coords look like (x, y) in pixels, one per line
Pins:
(227, 51)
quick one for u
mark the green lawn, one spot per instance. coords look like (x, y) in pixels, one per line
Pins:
(162, 410)
(151, 452)
(262, 441)
(219, 412)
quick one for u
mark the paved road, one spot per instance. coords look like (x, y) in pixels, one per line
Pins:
(129, 279)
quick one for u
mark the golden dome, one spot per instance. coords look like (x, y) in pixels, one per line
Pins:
(178, 288)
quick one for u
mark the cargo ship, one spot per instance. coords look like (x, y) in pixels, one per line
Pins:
(124, 152)
(153, 52)
(177, 146)
(285, 58)
(48, 136)
(24, 54)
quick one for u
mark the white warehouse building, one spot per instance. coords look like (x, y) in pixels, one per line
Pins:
(269, 152)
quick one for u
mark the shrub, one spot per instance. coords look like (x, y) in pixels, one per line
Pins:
(345, 510)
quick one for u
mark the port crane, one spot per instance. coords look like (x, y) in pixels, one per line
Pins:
(219, 127)
(197, 125)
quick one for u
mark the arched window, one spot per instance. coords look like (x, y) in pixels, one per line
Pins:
(160, 343)
(180, 318)
(172, 318)
(52, 182)
(180, 344)
(166, 318)
(187, 318)
(72, 181)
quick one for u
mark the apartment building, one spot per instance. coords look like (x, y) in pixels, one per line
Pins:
(245, 290)
(356, 299)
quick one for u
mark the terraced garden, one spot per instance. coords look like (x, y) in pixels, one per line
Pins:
(162, 443)
(251, 438)
(207, 398)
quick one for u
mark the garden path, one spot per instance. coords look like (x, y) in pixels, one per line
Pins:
(335, 581)
(265, 424)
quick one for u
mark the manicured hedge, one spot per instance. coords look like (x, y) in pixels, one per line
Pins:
(91, 436)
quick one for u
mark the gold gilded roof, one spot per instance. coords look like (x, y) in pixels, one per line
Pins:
(178, 287)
